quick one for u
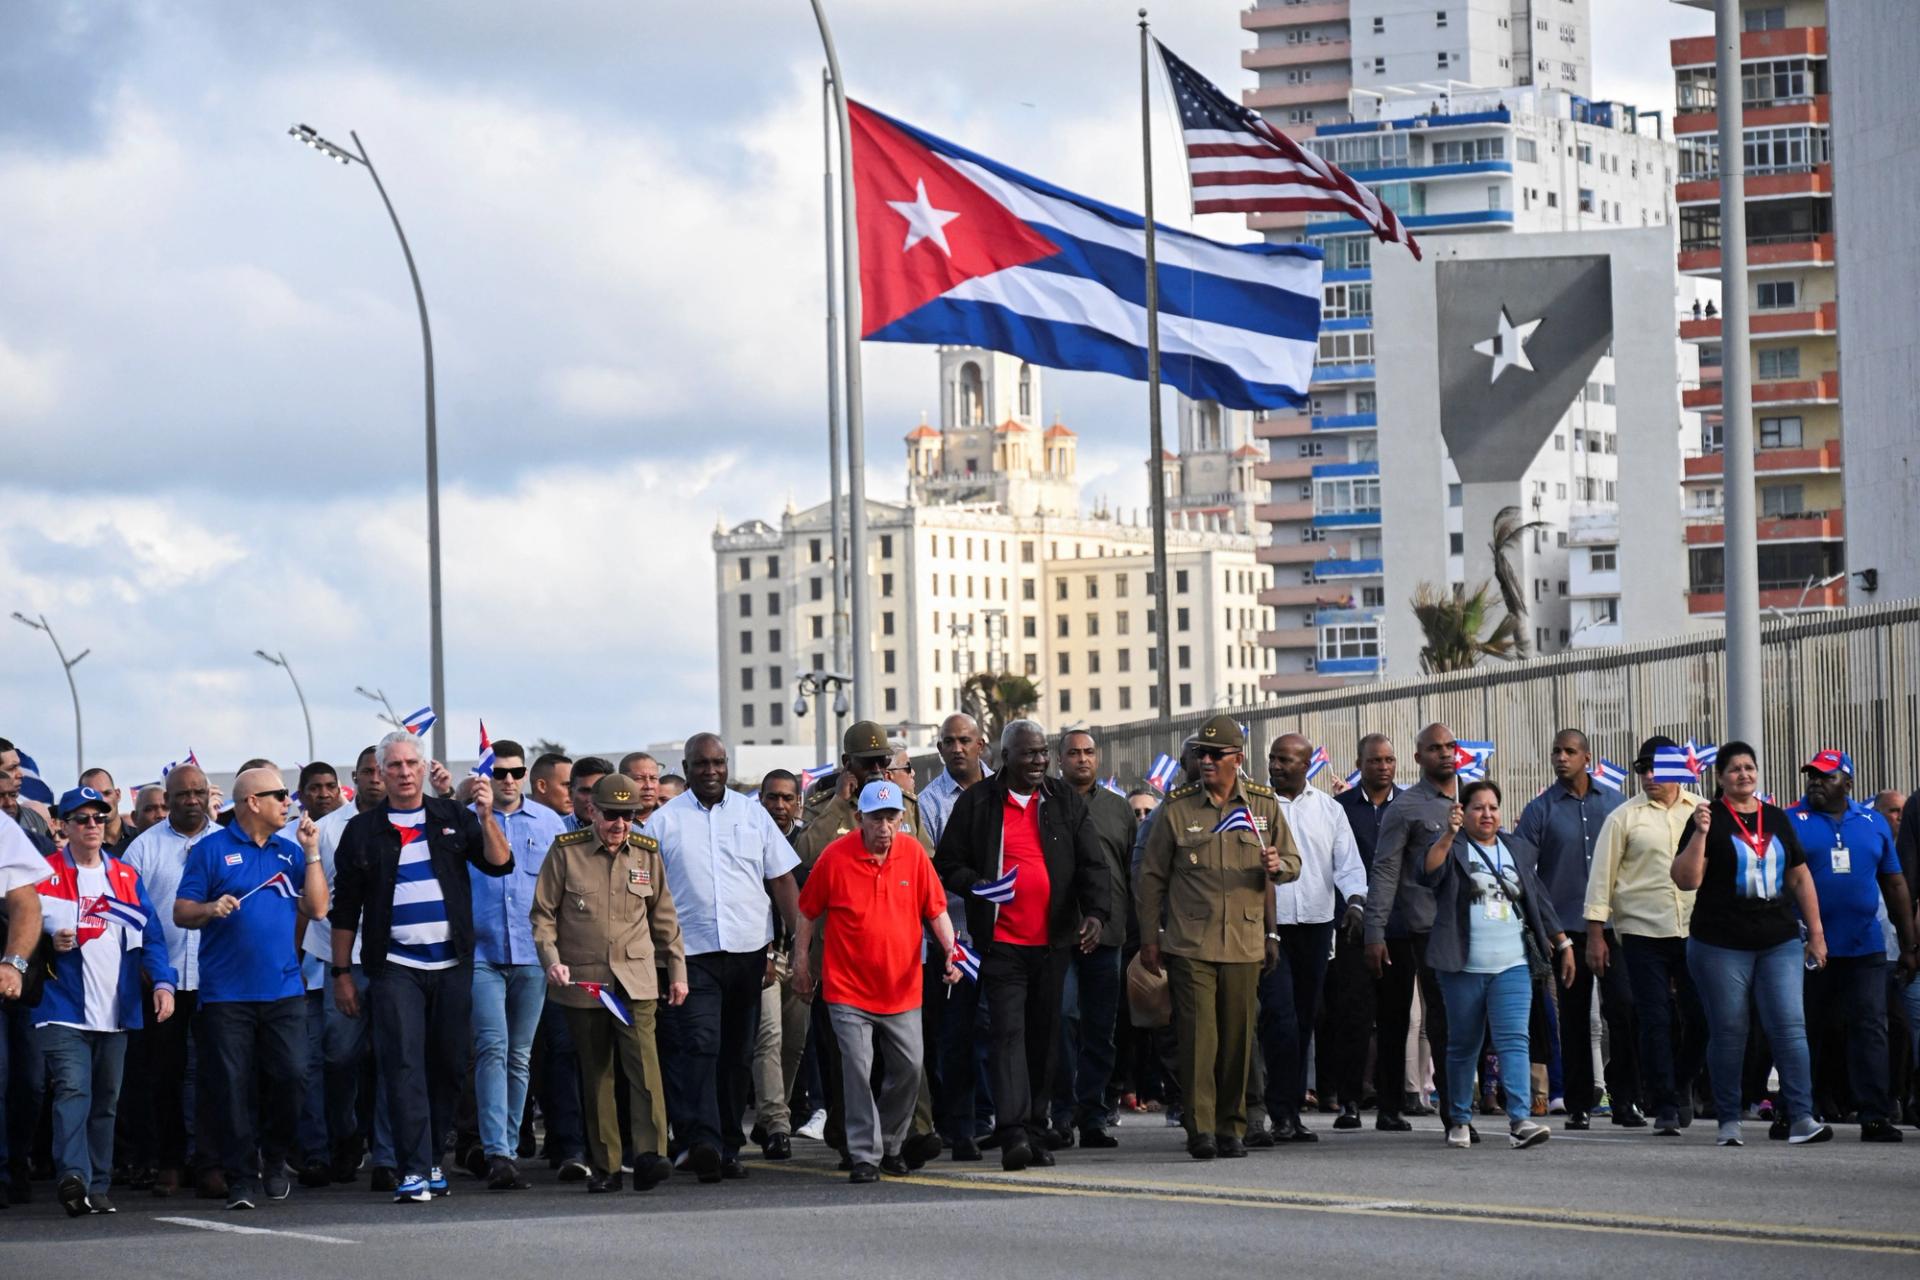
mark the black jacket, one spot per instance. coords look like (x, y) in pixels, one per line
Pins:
(969, 853)
(368, 857)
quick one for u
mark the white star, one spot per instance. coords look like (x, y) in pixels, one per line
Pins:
(1508, 345)
(924, 222)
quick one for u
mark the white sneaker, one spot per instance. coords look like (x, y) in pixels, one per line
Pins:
(1808, 1129)
(1729, 1134)
(814, 1129)
(1458, 1135)
(1528, 1133)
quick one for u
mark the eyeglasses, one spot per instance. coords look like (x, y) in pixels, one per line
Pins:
(1214, 753)
(280, 795)
(618, 815)
(501, 775)
(88, 820)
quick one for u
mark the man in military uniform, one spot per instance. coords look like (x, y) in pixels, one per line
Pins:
(603, 918)
(1216, 847)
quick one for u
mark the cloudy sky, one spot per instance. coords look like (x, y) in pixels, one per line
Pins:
(210, 401)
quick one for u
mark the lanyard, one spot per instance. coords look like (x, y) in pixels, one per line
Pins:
(1757, 837)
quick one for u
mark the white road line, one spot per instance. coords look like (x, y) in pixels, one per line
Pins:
(207, 1224)
(1378, 1204)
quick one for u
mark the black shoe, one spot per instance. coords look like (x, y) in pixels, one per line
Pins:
(574, 1169)
(732, 1169)
(1667, 1124)
(920, 1148)
(864, 1172)
(966, 1149)
(345, 1166)
(988, 1141)
(1391, 1122)
(777, 1147)
(1577, 1120)
(1229, 1148)
(1015, 1156)
(1473, 1136)
(1300, 1133)
(894, 1167)
(758, 1134)
(1260, 1140)
(1880, 1131)
(1057, 1139)
(1349, 1117)
(383, 1179)
(1686, 1114)
(1095, 1138)
(317, 1173)
(476, 1164)
(99, 1203)
(72, 1194)
(1201, 1147)
(277, 1184)
(1042, 1158)
(1629, 1116)
(598, 1183)
(1779, 1130)
(1416, 1106)
(504, 1175)
(846, 1162)
(705, 1162)
(210, 1185)
(650, 1170)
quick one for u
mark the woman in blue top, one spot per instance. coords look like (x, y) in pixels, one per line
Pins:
(1487, 898)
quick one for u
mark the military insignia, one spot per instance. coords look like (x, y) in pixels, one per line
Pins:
(579, 904)
(639, 875)
(1260, 824)
(1194, 827)
(1193, 856)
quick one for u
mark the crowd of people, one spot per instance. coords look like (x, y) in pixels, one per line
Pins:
(403, 977)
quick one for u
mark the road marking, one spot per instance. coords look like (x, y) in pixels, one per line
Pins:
(233, 1228)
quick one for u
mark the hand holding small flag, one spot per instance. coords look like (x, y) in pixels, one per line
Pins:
(997, 891)
(609, 1000)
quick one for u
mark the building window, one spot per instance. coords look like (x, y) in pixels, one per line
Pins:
(773, 603)
(1028, 589)
(746, 567)
(1780, 433)
(773, 566)
(892, 699)
(1776, 295)
(1121, 622)
(746, 714)
(1060, 626)
(773, 642)
(1777, 362)
(1180, 581)
(1093, 587)
(1059, 588)
(814, 550)
(746, 642)
(1029, 628)
(1456, 544)
(1026, 553)
(1126, 660)
(886, 624)
(817, 626)
(746, 679)
(1379, 26)
(816, 588)
(1604, 560)
(1030, 665)
(886, 661)
(1063, 664)
(1346, 496)
(1373, 597)
(1093, 624)
(776, 714)
(1183, 656)
(1440, 18)
(1526, 150)
(1066, 701)
(1770, 18)
(1349, 640)
(1093, 663)
(1126, 698)
(746, 605)
(1186, 695)
(1781, 500)
(1180, 618)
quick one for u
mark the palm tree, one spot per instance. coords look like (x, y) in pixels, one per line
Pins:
(1508, 529)
(1452, 622)
(994, 701)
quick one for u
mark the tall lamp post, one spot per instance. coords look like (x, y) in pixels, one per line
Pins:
(816, 685)
(280, 660)
(380, 696)
(306, 134)
(67, 664)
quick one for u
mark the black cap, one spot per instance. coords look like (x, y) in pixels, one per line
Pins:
(1644, 759)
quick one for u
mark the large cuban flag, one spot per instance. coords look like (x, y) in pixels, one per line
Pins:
(956, 248)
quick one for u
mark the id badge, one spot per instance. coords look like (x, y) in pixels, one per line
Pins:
(1842, 861)
(1497, 908)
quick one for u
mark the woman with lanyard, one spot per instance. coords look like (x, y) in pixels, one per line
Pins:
(1743, 858)
(1494, 930)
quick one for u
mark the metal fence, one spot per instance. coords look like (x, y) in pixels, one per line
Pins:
(1849, 680)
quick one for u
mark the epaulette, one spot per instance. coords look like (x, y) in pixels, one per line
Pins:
(1178, 792)
(579, 836)
(640, 841)
(1256, 789)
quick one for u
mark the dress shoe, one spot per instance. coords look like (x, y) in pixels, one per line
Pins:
(212, 1185)
(650, 1170)
(1629, 1117)
(316, 1173)
(966, 1149)
(1202, 1147)
(1667, 1124)
(143, 1178)
(1880, 1131)
(705, 1162)
(1229, 1148)
(920, 1148)
(603, 1182)
(894, 1167)
(345, 1165)
(1097, 1139)
(1042, 1158)
(989, 1141)
(758, 1134)
(732, 1169)
(504, 1175)
(1349, 1117)
(1416, 1106)
(864, 1172)
(1015, 1156)
(777, 1147)
(573, 1169)
(166, 1183)
(846, 1162)
(1577, 1120)
(1391, 1122)
(72, 1194)
(1057, 1139)
(383, 1178)
(1259, 1140)
(1300, 1133)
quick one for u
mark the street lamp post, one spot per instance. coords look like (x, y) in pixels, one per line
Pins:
(816, 685)
(380, 696)
(66, 664)
(306, 134)
(280, 660)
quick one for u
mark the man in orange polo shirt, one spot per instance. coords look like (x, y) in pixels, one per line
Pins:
(877, 888)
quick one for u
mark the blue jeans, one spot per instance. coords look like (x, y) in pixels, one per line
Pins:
(23, 1081)
(313, 1097)
(83, 1072)
(1502, 1001)
(507, 999)
(1773, 981)
(349, 1048)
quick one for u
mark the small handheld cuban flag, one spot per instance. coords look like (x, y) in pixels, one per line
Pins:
(1237, 819)
(1674, 764)
(612, 1003)
(1164, 768)
(1470, 760)
(483, 767)
(1605, 773)
(419, 722)
(1000, 891)
(1353, 779)
(810, 776)
(1318, 763)
(32, 786)
(275, 883)
(191, 759)
(125, 913)
(1701, 756)
(966, 961)
(1112, 783)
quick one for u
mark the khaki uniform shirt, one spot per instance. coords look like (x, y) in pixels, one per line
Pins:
(1214, 886)
(608, 916)
(1630, 886)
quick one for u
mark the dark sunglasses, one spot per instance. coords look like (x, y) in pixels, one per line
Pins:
(501, 775)
(1214, 753)
(280, 795)
(88, 820)
(619, 815)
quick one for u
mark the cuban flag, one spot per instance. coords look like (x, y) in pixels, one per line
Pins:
(1675, 764)
(1605, 773)
(191, 759)
(1164, 768)
(1758, 874)
(999, 891)
(1112, 783)
(125, 913)
(1353, 779)
(419, 722)
(956, 248)
(32, 786)
(483, 767)
(612, 1003)
(275, 883)
(1319, 762)
(1701, 757)
(1237, 818)
(966, 960)
(810, 776)
(1470, 760)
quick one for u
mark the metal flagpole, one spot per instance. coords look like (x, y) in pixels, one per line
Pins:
(837, 515)
(1156, 443)
(860, 619)
(1745, 717)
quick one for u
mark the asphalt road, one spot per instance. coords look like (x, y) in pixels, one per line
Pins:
(1364, 1204)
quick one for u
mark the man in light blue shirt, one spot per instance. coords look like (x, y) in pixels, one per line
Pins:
(509, 986)
(725, 858)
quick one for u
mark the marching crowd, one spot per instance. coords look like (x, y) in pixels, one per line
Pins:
(398, 975)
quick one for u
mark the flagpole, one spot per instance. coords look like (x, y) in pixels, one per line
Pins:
(861, 637)
(835, 514)
(1156, 441)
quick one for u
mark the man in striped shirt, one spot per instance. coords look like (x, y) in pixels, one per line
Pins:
(401, 882)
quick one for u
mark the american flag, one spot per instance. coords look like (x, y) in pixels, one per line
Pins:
(1242, 164)
(611, 1002)
(419, 722)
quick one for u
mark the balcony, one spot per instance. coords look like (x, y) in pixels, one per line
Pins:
(1781, 184)
(1282, 512)
(1824, 389)
(1348, 666)
(1771, 462)
(1320, 89)
(1290, 638)
(1332, 594)
(1759, 115)
(1295, 55)
(1823, 320)
(1285, 469)
(1787, 597)
(1367, 518)
(1331, 569)
(1347, 422)
(1765, 254)
(1338, 617)
(1282, 426)
(1699, 51)
(1333, 374)
(1810, 526)
(1296, 553)
(1294, 15)
(1299, 682)
(1338, 470)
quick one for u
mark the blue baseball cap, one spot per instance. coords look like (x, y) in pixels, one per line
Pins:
(879, 795)
(79, 798)
(1829, 761)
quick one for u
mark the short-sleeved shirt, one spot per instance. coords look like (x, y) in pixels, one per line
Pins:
(1742, 903)
(1847, 853)
(250, 955)
(719, 860)
(874, 912)
(20, 862)
(159, 854)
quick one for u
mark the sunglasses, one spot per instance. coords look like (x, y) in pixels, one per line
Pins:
(1214, 753)
(501, 775)
(280, 795)
(88, 820)
(619, 815)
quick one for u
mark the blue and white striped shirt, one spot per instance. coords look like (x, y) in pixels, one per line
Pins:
(419, 937)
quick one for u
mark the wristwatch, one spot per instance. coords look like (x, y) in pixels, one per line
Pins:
(1273, 937)
(313, 859)
(1566, 944)
(339, 970)
(18, 962)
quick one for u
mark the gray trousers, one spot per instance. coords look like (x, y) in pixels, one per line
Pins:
(877, 1127)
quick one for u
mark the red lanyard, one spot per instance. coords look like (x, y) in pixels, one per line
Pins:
(1756, 838)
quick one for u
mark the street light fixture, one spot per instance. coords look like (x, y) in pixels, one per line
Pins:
(310, 137)
(280, 660)
(380, 696)
(815, 684)
(67, 664)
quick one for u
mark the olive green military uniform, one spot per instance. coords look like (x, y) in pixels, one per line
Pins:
(608, 915)
(1214, 889)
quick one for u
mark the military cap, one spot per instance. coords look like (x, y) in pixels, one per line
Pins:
(863, 740)
(1220, 731)
(615, 794)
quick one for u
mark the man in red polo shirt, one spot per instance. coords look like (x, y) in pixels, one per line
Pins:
(877, 888)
